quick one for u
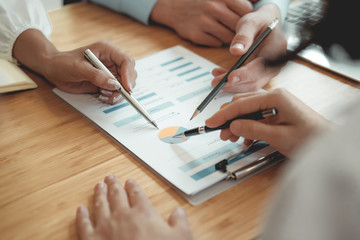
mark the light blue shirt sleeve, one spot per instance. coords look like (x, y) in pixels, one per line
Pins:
(137, 9)
(283, 5)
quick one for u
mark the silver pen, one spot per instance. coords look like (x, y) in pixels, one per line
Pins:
(252, 167)
(98, 64)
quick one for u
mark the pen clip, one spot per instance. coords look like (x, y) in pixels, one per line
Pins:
(254, 166)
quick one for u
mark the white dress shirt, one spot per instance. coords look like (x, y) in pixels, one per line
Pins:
(16, 16)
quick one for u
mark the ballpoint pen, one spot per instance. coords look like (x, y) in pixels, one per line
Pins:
(254, 166)
(237, 65)
(98, 64)
(262, 114)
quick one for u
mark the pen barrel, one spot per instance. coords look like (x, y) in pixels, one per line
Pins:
(130, 99)
(90, 56)
(237, 65)
(253, 116)
(195, 131)
(256, 165)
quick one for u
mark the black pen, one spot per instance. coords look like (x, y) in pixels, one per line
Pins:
(262, 114)
(237, 65)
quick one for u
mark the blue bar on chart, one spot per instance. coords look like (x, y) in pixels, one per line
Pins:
(138, 116)
(171, 61)
(188, 71)
(193, 94)
(209, 157)
(117, 107)
(179, 67)
(197, 76)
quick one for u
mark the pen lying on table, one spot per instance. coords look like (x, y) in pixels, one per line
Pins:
(205, 129)
(254, 166)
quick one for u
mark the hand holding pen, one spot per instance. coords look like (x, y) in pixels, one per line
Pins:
(237, 65)
(129, 98)
(258, 115)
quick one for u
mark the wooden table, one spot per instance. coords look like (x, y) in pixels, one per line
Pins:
(51, 157)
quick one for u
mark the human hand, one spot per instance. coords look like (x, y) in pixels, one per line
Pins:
(71, 72)
(294, 124)
(204, 22)
(126, 213)
(255, 73)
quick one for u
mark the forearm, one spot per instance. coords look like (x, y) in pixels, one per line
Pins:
(34, 50)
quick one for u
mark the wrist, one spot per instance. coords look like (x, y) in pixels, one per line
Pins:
(161, 12)
(33, 50)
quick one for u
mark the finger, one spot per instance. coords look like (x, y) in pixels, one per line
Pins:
(234, 138)
(98, 77)
(244, 95)
(77, 87)
(222, 13)
(247, 142)
(246, 31)
(243, 87)
(105, 92)
(101, 208)
(241, 7)
(219, 31)
(84, 226)
(241, 106)
(178, 220)
(251, 129)
(127, 70)
(117, 196)
(205, 39)
(218, 71)
(225, 134)
(137, 197)
(113, 99)
(251, 77)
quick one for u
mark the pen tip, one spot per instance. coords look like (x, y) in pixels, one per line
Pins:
(195, 114)
(154, 124)
(180, 135)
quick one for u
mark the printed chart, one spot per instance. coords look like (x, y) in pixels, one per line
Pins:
(166, 135)
(170, 85)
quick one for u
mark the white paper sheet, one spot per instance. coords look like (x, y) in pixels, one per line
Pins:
(170, 85)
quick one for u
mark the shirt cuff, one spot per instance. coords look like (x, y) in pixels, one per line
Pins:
(282, 5)
(137, 9)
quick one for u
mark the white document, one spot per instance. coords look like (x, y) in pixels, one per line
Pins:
(170, 85)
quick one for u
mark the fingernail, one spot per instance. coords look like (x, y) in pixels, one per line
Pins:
(238, 46)
(180, 211)
(114, 84)
(101, 185)
(84, 210)
(106, 92)
(117, 98)
(235, 79)
(103, 98)
(111, 177)
(131, 181)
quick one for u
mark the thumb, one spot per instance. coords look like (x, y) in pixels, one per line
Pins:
(246, 32)
(178, 220)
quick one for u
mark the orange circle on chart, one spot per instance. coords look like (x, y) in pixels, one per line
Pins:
(224, 105)
(167, 135)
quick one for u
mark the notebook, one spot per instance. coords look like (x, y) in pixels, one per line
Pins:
(310, 11)
(12, 78)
